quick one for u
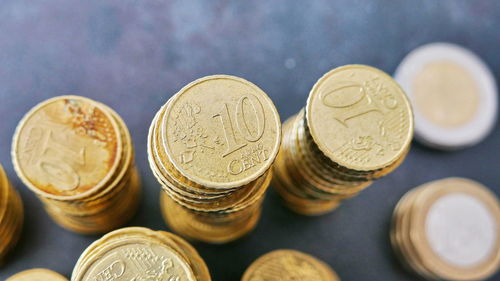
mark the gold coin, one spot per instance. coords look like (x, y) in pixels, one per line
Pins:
(288, 265)
(37, 274)
(221, 131)
(136, 253)
(67, 146)
(137, 259)
(359, 117)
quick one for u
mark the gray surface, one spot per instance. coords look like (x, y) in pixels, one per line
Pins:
(133, 55)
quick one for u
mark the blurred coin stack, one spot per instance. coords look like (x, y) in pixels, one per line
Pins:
(357, 127)
(289, 265)
(448, 229)
(137, 253)
(211, 147)
(11, 215)
(77, 156)
(37, 274)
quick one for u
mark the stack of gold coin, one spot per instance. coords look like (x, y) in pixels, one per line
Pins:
(448, 229)
(357, 127)
(11, 215)
(289, 265)
(211, 147)
(137, 253)
(76, 155)
(37, 274)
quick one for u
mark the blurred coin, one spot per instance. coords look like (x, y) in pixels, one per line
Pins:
(37, 274)
(449, 230)
(453, 93)
(288, 265)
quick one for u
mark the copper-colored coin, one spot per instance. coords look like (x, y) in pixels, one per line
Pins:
(67, 147)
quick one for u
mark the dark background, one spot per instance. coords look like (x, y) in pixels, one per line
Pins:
(133, 55)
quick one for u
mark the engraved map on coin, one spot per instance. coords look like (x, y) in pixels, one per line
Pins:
(221, 131)
(359, 117)
(139, 262)
(66, 146)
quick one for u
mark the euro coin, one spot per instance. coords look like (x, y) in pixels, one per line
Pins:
(211, 147)
(289, 265)
(448, 229)
(453, 93)
(37, 274)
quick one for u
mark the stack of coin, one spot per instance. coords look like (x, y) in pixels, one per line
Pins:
(137, 253)
(448, 229)
(76, 155)
(289, 265)
(11, 215)
(357, 127)
(37, 274)
(211, 147)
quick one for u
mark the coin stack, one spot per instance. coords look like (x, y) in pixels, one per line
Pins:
(11, 215)
(448, 229)
(137, 253)
(211, 147)
(357, 127)
(76, 155)
(289, 265)
(37, 274)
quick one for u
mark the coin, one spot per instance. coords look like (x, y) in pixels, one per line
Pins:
(138, 253)
(359, 117)
(288, 265)
(453, 92)
(211, 147)
(222, 131)
(11, 216)
(356, 127)
(77, 156)
(37, 274)
(60, 147)
(448, 230)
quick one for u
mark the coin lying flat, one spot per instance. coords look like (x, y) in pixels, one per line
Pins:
(66, 146)
(449, 230)
(222, 131)
(288, 265)
(137, 253)
(359, 117)
(37, 274)
(453, 93)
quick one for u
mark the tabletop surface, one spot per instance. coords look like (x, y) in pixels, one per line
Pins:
(134, 55)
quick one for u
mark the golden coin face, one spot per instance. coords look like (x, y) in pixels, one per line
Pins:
(66, 146)
(288, 265)
(359, 117)
(221, 131)
(138, 261)
(37, 274)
